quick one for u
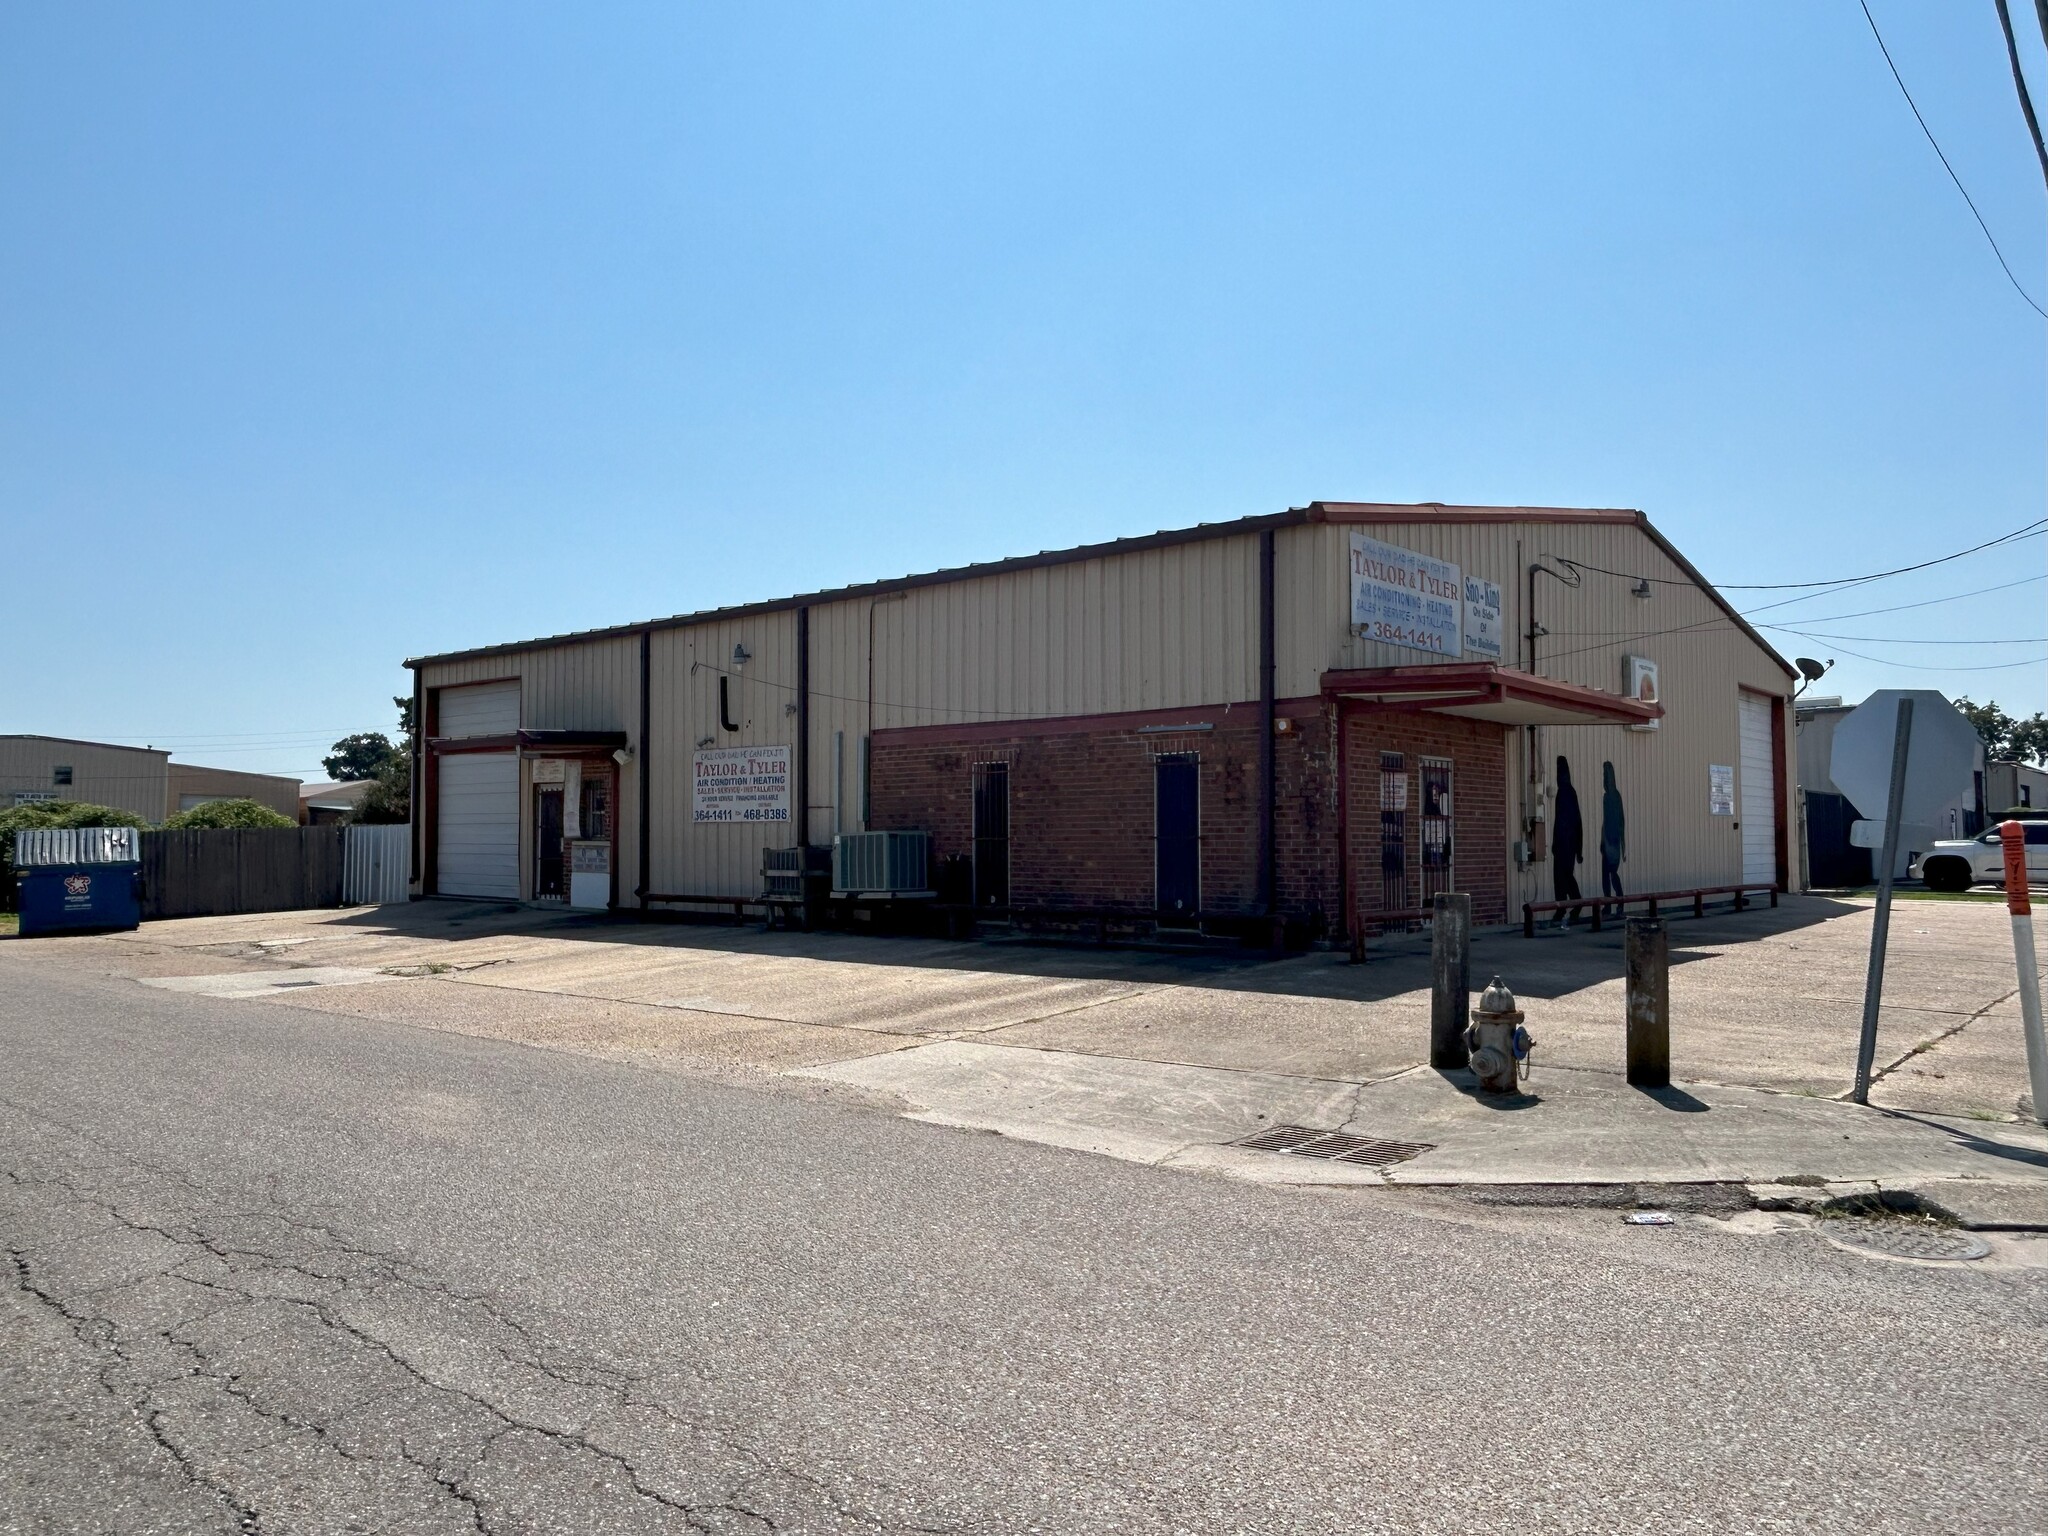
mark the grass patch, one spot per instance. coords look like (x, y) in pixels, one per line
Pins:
(9, 925)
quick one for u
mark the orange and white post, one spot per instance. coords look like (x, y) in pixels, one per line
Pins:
(2012, 835)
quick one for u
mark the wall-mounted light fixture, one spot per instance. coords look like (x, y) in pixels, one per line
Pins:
(741, 655)
(1641, 588)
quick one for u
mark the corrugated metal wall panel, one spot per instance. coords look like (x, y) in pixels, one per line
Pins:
(684, 857)
(1158, 629)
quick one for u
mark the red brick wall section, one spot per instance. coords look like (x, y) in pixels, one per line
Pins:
(1081, 808)
(1478, 752)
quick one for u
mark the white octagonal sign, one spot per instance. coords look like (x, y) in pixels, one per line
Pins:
(1940, 759)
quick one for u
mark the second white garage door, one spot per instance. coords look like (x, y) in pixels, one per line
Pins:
(1759, 789)
(478, 835)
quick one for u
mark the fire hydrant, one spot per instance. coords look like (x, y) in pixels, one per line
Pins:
(1499, 1044)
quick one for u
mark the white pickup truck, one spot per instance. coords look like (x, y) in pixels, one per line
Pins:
(1957, 865)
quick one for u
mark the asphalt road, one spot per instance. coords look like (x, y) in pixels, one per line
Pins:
(281, 1271)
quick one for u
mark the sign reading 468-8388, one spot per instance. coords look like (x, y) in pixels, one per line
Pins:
(740, 784)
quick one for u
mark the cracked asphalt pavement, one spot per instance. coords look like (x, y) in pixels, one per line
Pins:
(277, 1270)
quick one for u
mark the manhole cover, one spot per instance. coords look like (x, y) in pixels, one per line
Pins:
(1333, 1146)
(1906, 1239)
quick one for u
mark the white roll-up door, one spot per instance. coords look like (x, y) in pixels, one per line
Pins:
(479, 709)
(1759, 788)
(477, 837)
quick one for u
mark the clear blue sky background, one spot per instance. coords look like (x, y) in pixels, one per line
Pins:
(639, 309)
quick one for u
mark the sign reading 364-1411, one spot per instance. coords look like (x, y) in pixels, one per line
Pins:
(1399, 597)
(740, 784)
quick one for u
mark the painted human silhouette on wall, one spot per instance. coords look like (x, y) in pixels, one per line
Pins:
(1567, 844)
(1613, 834)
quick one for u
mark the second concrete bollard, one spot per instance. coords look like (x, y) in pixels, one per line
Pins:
(1450, 979)
(1648, 965)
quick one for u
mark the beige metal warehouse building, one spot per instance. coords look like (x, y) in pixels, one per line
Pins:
(1324, 714)
(139, 779)
(43, 768)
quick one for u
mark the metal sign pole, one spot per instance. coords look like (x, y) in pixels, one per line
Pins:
(1873, 981)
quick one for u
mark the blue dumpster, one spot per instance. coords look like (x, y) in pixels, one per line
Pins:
(78, 880)
(75, 898)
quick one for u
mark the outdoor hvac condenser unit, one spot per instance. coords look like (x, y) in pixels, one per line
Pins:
(882, 864)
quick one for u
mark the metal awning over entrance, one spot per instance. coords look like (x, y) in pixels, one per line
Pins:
(533, 743)
(1483, 691)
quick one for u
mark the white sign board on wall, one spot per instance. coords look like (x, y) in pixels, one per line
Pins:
(1721, 788)
(1399, 597)
(740, 784)
(1482, 618)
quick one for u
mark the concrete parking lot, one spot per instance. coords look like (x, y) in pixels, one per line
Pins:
(1765, 998)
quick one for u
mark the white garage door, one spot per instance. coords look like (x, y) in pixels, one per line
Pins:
(477, 839)
(479, 709)
(1759, 804)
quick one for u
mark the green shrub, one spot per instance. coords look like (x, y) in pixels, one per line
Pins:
(227, 814)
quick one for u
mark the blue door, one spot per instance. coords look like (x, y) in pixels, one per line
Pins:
(1177, 833)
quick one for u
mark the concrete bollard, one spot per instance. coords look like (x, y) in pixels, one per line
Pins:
(1450, 979)
(1649, 1003)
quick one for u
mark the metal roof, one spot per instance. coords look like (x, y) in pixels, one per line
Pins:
(1314, 512)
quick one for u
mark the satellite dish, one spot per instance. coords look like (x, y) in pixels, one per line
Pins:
(1813, 671)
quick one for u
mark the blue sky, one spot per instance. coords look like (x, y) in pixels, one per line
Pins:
(642, 309)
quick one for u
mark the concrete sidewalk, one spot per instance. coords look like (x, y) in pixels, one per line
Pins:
(1570, 1127)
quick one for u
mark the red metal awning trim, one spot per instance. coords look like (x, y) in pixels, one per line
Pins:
(1485, 691)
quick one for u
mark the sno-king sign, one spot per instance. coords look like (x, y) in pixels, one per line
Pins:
(740, 784)
(1401, 598)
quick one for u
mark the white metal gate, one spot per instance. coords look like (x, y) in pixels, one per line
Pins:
(1759, 803)
(376, 865)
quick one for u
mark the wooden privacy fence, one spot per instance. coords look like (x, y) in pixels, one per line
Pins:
(210, 872)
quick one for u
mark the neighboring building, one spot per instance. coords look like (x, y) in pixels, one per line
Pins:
(58, 768)
(194, 786)
(1832, 862)
(320, 804)
(1333, 711)
(139, 779)
(2010, 786)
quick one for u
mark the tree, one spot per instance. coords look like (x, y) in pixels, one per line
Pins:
(222, 814)
(388, 800)
(2023, 741)
(361, 756)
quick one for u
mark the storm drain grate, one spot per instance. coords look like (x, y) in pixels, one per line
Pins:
(1336, 1146)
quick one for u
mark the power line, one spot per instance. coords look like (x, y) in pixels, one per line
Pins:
(1807, 634)
(2031, 530)
(1917, 666)
(1952, 176)
(2019, 81)
(1866, 613)
(1818, 588)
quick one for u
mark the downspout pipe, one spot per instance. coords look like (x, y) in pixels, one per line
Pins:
(419, 777)
(1269, 788)
(644, 777)
(802, 809)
